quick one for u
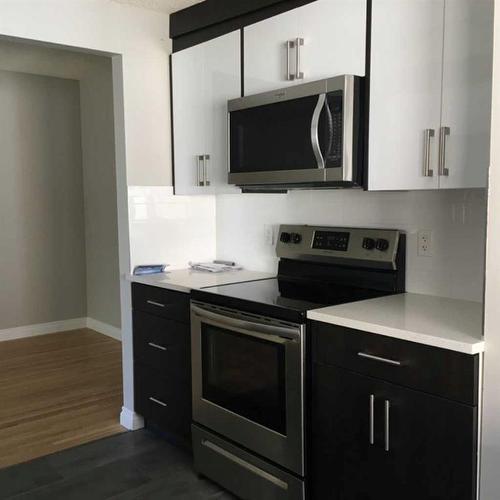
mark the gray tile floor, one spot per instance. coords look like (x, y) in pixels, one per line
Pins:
(134, 465)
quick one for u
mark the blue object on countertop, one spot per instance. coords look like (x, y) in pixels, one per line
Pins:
(150, 269)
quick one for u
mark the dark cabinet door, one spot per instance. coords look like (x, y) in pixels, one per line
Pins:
(423, 447)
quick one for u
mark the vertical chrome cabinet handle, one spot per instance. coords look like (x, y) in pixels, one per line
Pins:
(206, 179)
(387, 425)
(299, 42)
(199, 165)
(289, 46)
(443, 132)
(428, 134)
(372, 419)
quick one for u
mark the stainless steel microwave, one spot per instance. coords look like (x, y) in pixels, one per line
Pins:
(303, 136)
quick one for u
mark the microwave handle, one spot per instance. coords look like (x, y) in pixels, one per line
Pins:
(315, 129)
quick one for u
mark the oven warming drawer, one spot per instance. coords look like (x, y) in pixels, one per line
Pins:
(240, 472)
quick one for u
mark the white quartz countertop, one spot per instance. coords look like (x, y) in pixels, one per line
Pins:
(185, 280)
(435, 321)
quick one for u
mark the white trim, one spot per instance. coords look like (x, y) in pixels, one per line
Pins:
(131, 420)
(21, 332)
(104, 328)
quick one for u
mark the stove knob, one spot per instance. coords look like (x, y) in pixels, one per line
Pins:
(285, 237)
(296, 238)
(382, 245)
(368, 243)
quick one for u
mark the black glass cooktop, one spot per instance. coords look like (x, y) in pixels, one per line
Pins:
(284, 298)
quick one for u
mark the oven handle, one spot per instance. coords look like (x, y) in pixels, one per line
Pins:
(277, 334)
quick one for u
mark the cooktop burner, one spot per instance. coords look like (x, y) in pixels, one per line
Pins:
(319, 267)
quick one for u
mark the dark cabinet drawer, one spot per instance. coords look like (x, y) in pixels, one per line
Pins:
(162, 344)
(166, 303)
(449, 374)
(164, 401)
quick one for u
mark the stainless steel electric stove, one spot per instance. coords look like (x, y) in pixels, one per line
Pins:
(249, 353)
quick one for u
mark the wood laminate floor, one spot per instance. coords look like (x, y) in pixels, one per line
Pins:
(57, 391)
(131, 466)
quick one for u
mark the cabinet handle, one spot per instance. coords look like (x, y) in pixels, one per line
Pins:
(289, 75)
(387, 424)
(153, 303)
(200, 160)
(377, 358)
(428, 134)
(206, 179)
(299, 42)
(443, 133)
(157, 346)
(158, 402)
(372, 419)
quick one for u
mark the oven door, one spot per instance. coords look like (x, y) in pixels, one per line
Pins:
(248, 382)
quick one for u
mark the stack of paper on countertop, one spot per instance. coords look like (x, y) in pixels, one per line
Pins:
(214, 267)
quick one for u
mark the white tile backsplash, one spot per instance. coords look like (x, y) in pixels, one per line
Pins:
(456, 218)
(168, 229)
(176, 229)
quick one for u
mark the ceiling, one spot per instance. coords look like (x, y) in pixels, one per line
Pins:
(160, 5)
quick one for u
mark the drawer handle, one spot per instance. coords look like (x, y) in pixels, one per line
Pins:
(377, 358)
(153, 303)
(156, 346)
(158, 402)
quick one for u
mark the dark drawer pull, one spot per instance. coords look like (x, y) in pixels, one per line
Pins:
(153, 303)
(156, 346)
(158, 402)
(377, 358)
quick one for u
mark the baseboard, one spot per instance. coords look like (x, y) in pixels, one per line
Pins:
(131, 420)
(21, 332)
(104, 328)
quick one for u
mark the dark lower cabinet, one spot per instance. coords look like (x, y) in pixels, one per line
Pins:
(162, 360)
(371, 439)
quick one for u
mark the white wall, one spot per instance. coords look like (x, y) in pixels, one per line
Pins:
(99, 175)
(42, 244)
(490, 441)
(141, 37)
(456, 218)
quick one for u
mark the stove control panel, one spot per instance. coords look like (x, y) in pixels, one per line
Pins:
(355, 244)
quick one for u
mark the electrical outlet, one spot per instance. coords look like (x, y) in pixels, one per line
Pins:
(424, 243)
(270, 234)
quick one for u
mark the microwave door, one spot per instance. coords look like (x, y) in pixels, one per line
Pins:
(272, 143)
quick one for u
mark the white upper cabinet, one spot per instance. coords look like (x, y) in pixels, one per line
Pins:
(204, 77)
(319, 40)
(405, 94)
(466, 108)
(430, 94)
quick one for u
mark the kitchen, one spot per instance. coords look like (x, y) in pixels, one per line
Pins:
(365, 389)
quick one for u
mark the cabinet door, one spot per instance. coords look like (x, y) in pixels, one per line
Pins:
(467, 73)
(334, 33)
(188, 113)
(405, 88)
(265, 46)
(221, 82)
(423, 446)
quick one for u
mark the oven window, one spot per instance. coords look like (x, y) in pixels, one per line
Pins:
(245, 375)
